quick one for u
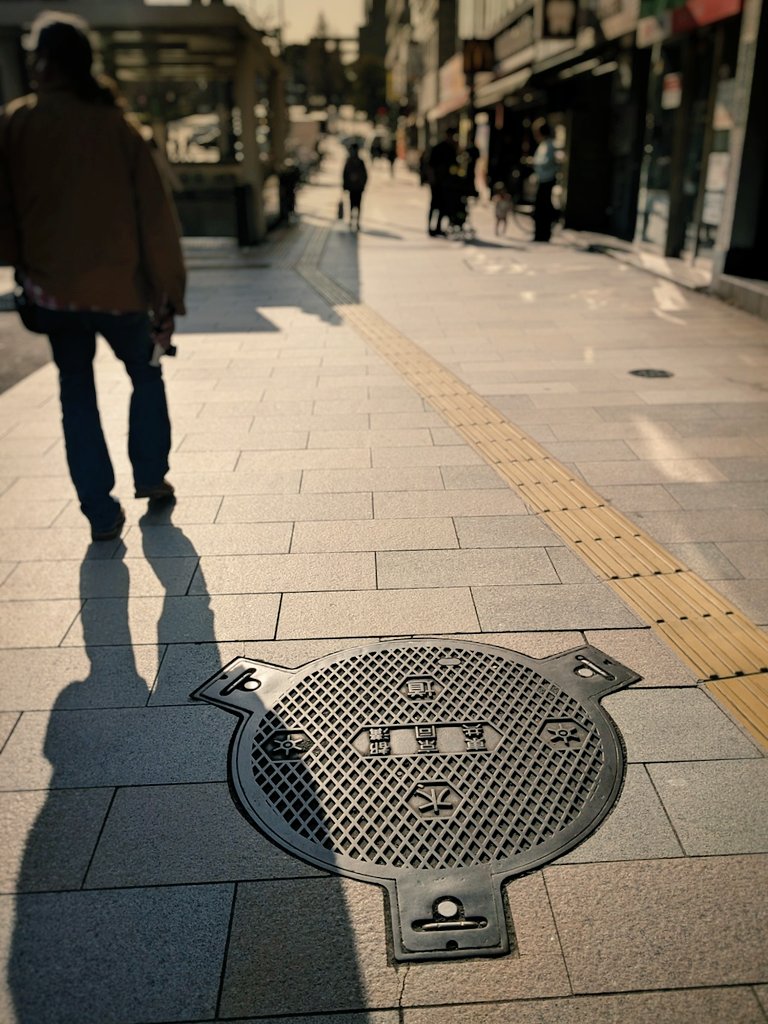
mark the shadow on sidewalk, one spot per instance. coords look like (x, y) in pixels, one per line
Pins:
(133, 949)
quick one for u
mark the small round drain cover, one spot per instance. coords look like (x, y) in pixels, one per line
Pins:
(434, 768)
(651, 373)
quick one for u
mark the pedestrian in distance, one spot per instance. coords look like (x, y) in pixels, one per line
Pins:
(545, 168)
(86, 221)
(392, 157)
(502, 207)
(441, 162)
(354, 180)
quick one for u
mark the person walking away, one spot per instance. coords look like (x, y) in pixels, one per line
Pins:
(441, 160)
(545, 168)
(87, 223)
(392, 157)
(354, 180)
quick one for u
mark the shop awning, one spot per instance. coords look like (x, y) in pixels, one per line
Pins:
(494, 92)
(449, 106)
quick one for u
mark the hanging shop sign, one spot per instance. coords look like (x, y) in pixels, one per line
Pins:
(559, 19)
(478, 56)
(660, 19)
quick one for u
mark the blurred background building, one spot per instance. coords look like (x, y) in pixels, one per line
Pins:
(658, 106)
(658, 109)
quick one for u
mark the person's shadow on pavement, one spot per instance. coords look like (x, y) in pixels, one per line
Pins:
(89, 951)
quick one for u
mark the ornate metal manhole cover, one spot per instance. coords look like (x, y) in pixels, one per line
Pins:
(434, 768)
(651, 373)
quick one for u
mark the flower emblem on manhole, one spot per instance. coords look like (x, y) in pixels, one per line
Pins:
(434, 799)
(287, 746)
(563, 733)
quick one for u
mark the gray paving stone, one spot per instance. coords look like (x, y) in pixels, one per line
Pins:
(255, 574)
(266, 481)
(243, 441)
(8, 720)
(367, 1017)
(640, 497)
(636, 829)
(294, 508)
(186, 509)
(381, 479)
(716, 807)
(47, 838)
(695, 1006)
(534, 970)
(31, 545)
(536, 645)
(706, 559)
(115, 747)
(751, 596)
(642, 651)
(41, 513)
(749, 557)
(721, 495)
(293, 653)
(377, 613)
(463, 568)
(662, 924)
(374, 535)
(662, 471)
(489, 502)
(175, 620)
(368, 438)
(114, 578)
(442, 455)
(187, 666)
(37, 623)
(761, 991)
(139, 955)
(504, 531)
(209, 539)
(335, 957)
(742, 469)
(713, 525)
(315, 459)
(569, 567)
(70, 678)
(470, 478)
(675, 725)
(163, 835)
(551, 606)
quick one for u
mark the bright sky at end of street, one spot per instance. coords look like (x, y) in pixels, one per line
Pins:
(343, 17)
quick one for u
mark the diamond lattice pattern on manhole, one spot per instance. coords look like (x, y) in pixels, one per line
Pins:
(359, 806)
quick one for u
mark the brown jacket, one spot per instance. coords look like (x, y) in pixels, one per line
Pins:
(83, 211)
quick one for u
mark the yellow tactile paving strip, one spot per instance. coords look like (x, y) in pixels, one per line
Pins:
(723, 647)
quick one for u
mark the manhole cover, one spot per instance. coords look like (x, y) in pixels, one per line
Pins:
(651, 373)
(434, 768)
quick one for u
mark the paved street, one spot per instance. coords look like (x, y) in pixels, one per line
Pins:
(324, 503)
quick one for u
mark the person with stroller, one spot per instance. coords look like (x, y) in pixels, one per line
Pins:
(440, 163)
(354, 180)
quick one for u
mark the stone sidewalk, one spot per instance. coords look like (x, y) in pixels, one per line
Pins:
(323, 503)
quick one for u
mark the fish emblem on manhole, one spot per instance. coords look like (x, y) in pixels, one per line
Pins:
(434, 768)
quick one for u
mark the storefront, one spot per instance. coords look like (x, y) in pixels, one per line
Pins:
(690, 116)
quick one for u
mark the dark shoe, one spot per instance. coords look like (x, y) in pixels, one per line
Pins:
(157, 492)
(113, 532)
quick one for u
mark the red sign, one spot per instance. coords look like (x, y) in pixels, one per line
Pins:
(703, 12)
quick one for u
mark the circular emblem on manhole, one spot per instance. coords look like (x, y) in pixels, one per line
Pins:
(435, 768)
(651, 373)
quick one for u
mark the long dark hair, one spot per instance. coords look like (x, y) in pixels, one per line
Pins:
(62, 40)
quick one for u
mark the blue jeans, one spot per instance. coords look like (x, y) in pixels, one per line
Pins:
(73, 341)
